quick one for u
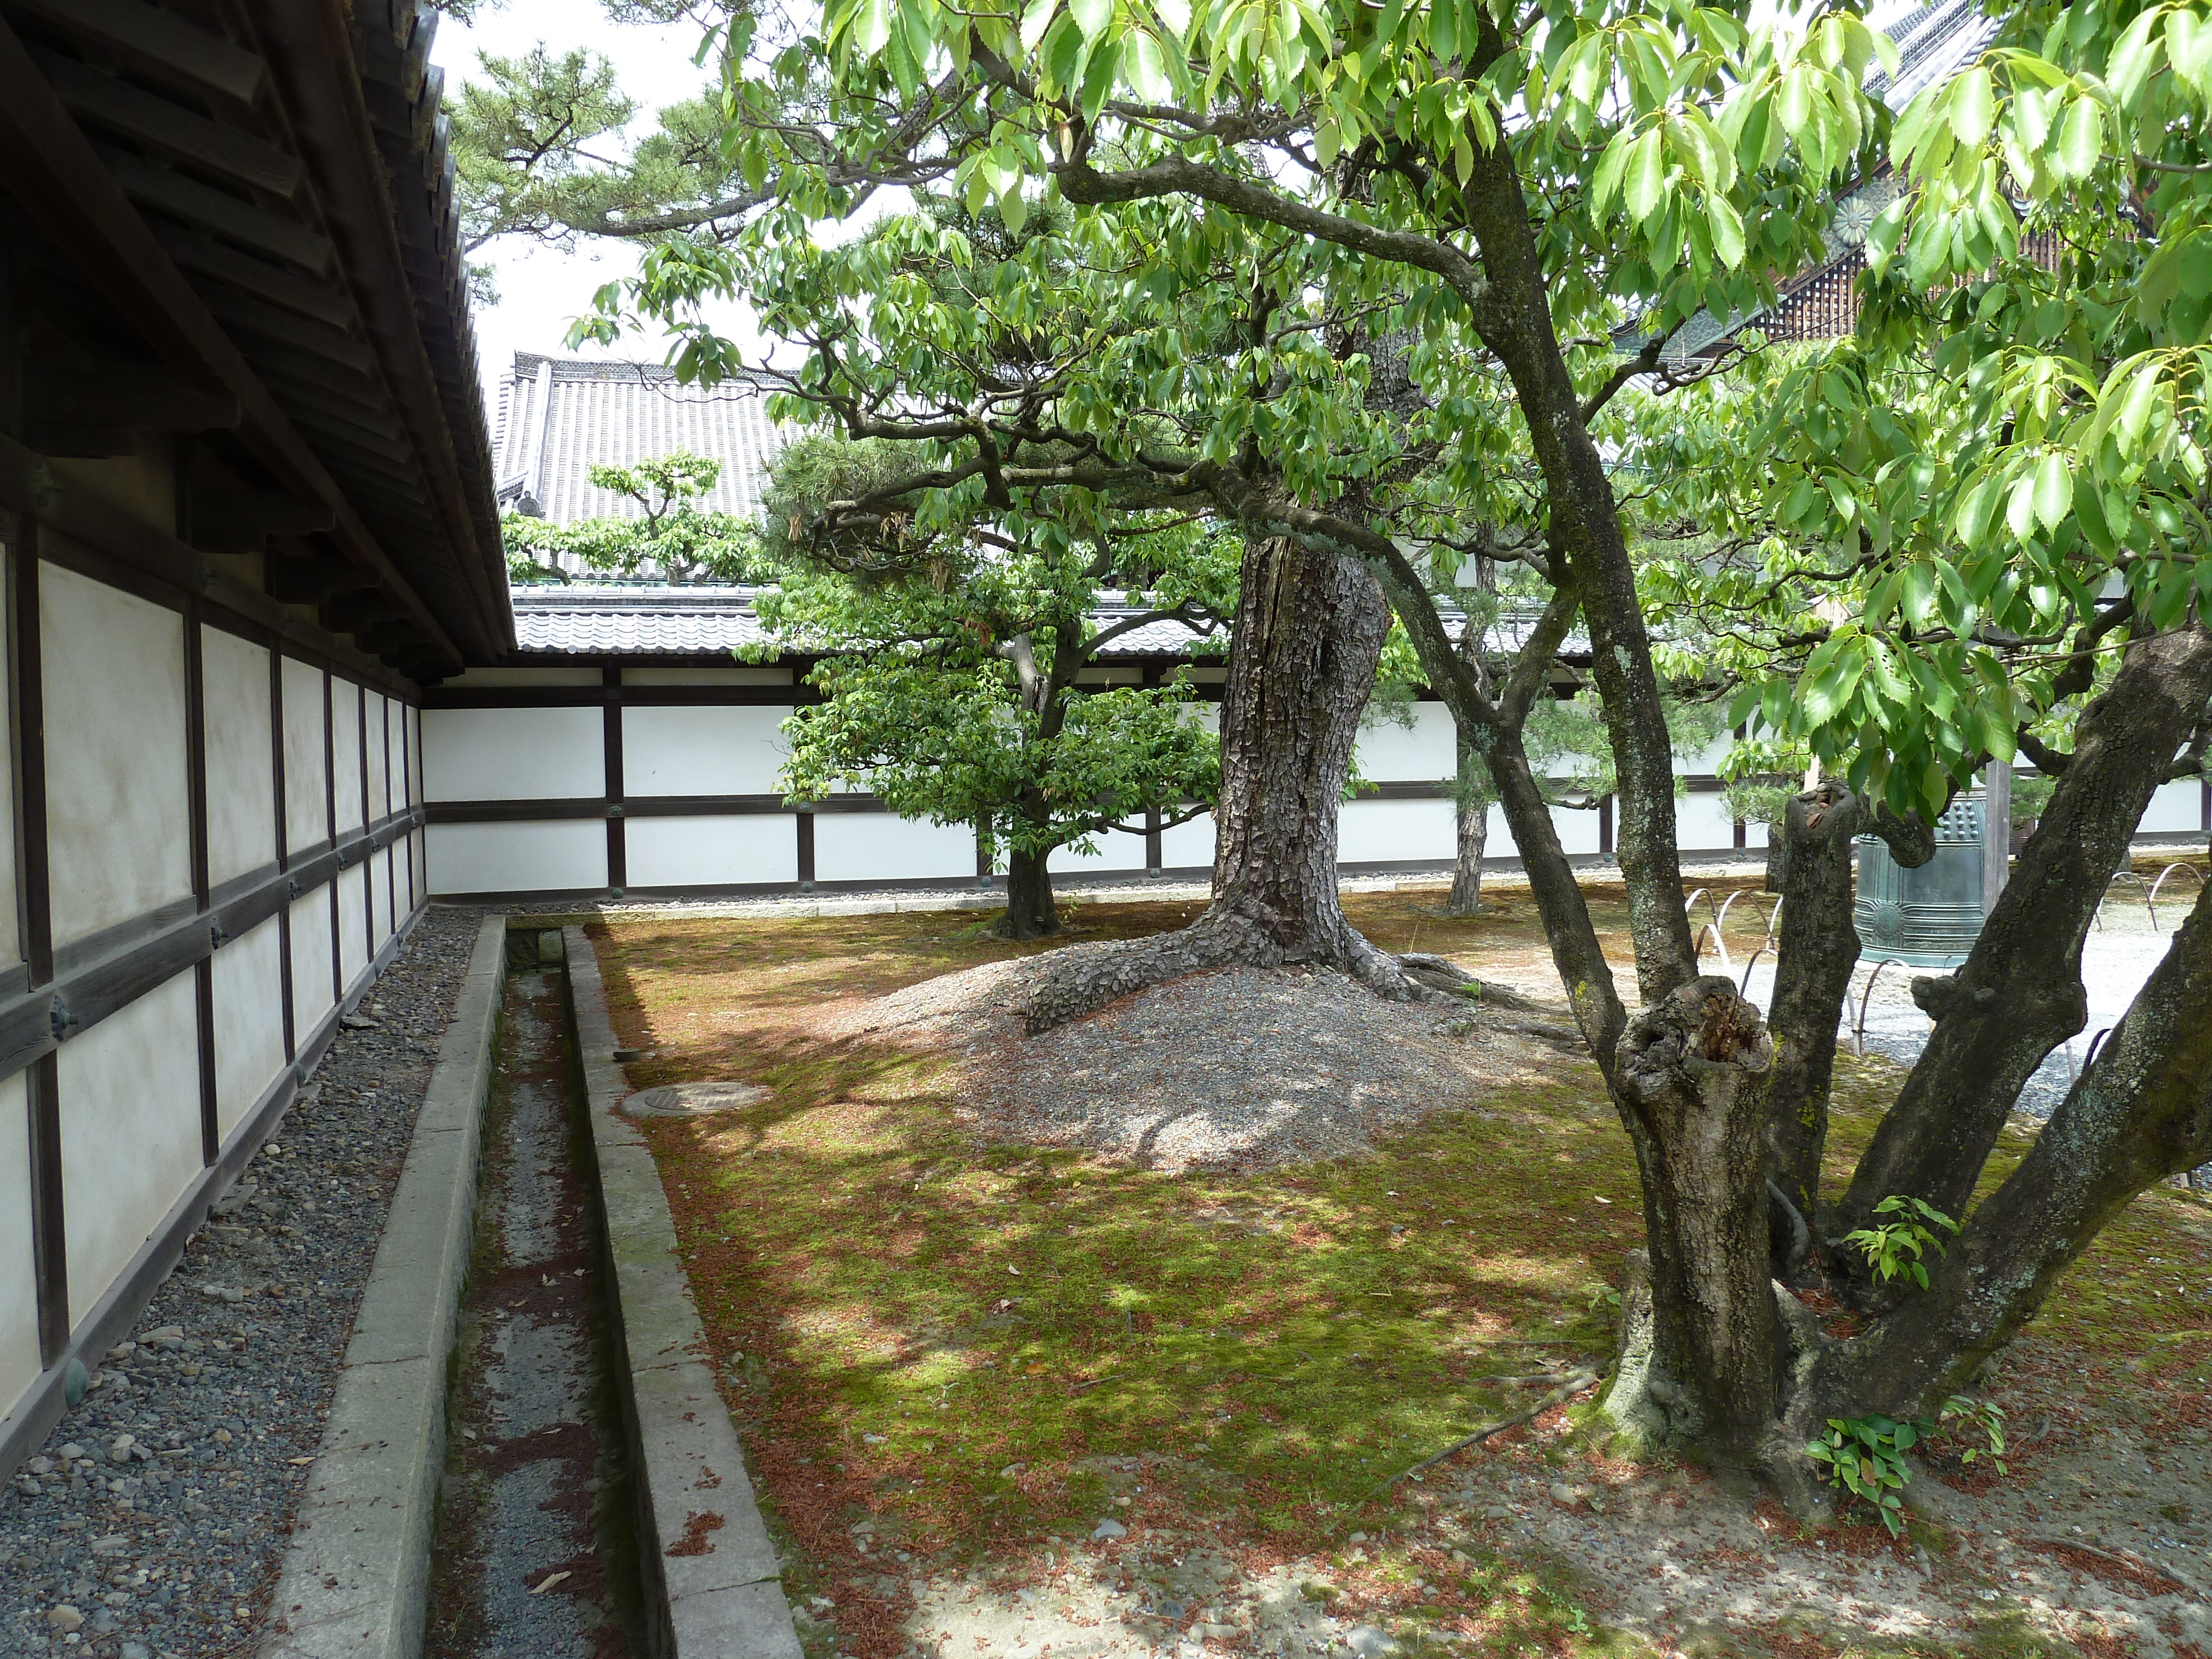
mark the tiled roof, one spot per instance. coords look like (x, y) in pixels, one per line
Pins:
(635, 619)
(557, 416)
(580, 619)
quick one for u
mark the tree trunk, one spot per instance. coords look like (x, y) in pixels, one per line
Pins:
(1308, 634)
(1030, 912)
(1471, 812)
(1690, 1076)
(2018, 994)
(1812, 974)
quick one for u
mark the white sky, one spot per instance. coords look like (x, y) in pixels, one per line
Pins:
(542, 289)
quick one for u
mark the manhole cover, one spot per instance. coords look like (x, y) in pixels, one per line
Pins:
(694, 1099)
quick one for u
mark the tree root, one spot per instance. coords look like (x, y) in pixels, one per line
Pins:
(1067, 991)
(1567, 1390)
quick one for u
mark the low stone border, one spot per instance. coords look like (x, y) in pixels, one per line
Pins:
(356, 1570)
(711, 1574)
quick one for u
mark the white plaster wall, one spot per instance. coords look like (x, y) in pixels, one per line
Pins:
(129, 1106)
(707, 852)
(1188, 846)
(345, 753)
(249, 1022)
(241, 788)
(1383, 832)
(115, 683)
(306, 809)
(395, 756)
(311, 993)
(382, 868)
(2174, 806)
(517, 858)
(1389, 753)
(876, 846)
(512, 754)
(1117, 853)
(352, 887)
(1702, 823)
(380, 797)
(1578, 830)
(19, 1292)
(702, 751)
(415, 795)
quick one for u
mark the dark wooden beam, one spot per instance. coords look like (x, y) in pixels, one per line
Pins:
(52, 169)
(351, 614)
(170, 128)
(107, 393)
(212, 260)
(159, 40)
(311, 581)
(248, 315)
(243, 520)
(187, 199)
(378, 638)
(88, 443)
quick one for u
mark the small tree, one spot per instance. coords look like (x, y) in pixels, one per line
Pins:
(670, 531)
(951, 662)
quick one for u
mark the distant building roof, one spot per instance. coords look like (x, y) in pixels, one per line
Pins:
(1936, 39)
(559, 416)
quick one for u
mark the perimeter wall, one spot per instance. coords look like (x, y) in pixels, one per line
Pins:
(212, 841)
(658, 779)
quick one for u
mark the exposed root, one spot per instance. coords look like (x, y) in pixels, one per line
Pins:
(1069, 990)
(1567, 1390)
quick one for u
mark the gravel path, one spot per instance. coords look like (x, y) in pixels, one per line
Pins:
(150, 1524)
(1240, 1068)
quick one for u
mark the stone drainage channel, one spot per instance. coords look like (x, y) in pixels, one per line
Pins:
(534, 1553)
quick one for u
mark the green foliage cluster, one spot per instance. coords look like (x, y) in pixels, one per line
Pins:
(668, 533)
(1898, 1249)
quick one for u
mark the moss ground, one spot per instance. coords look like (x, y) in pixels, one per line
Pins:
(953, 1339)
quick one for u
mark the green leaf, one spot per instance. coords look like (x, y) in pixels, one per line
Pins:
(1092, 16)
(2081, 139)
(2054, 490)
(1973, 106)
(1728, 230)
(1646, 176)
(1036, 20)
(871, 26)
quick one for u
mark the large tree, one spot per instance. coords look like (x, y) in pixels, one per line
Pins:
(952, 660)
(1423, 223)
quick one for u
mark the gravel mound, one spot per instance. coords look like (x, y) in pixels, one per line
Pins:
(1241, 1068)
(150, 1524)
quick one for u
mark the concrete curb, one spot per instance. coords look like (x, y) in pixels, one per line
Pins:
(356, 1571)
(721, 1596)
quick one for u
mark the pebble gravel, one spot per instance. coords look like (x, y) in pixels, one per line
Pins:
(151, 1523)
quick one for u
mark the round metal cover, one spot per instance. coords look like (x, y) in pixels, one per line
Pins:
(694, 1099)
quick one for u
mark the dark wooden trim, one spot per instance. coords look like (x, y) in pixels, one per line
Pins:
(284, 850)
(48, 1240)
(368, 814)
(196, 819)
(27, 722)
(805, 831)
(331, 823)
(610, 725)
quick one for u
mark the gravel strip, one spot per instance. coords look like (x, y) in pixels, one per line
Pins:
(151, 1523)
(1297, 1064)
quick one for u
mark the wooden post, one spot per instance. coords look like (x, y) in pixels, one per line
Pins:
(1997, 831)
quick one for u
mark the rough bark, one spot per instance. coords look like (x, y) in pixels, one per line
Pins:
(1472, 826)
(1514, 321)
(2018, 994)
(1308, 634)
(1030, 912)
(2142, 1113)
(1812, 973)
(1690, 1077)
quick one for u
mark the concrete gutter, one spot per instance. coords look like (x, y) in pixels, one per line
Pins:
(711, 1575)
(356, 1571)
